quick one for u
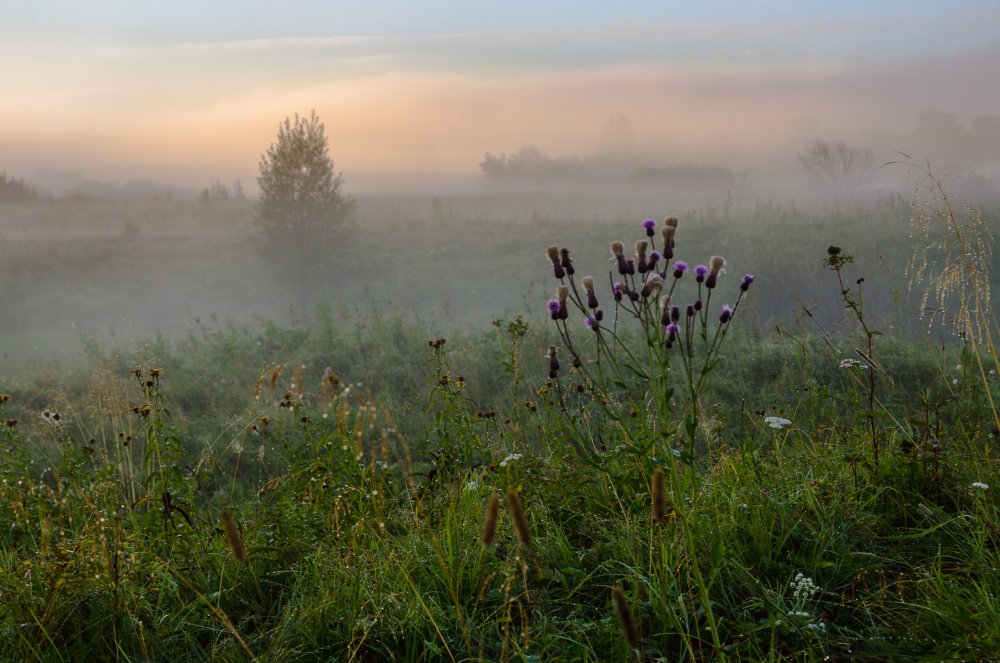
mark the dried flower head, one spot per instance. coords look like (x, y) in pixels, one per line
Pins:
(618, 250)
(653, 285)
(670, 221)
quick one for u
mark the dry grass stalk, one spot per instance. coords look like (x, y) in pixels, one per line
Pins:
(233, 536)
(659, 513)
(490, 524)
(520, 522)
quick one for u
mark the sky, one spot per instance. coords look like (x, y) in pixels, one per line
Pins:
(190, 92)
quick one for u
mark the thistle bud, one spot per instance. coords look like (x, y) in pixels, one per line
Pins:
(616, 289)
(565, 261)
(653, 284)
(727, 314)
(664, 310)
(675, 313)
(588, 287)
(748, 279)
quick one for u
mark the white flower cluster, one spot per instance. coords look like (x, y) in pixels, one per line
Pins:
(511, 458)
(777, 422)
(852, 363)
(803, 588)
(980, 485)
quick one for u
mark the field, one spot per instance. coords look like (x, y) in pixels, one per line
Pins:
(204, 456)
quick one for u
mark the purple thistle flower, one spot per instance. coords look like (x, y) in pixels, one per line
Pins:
(679, 268)
(699, 273)
(553, 306)
(616, 288)
(649, 225)
(747, 280)
(590, 322)
(673, 328)
(727, 314)
(654, 257)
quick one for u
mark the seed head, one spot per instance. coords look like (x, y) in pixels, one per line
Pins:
(490, 522)
(624, 611)
(671, 222)
(517, 515)
(653, 284)
(233, 536)
(618, 250)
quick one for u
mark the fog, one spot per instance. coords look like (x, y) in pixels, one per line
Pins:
(133, 163)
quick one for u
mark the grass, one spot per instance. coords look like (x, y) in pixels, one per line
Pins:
(223, 496)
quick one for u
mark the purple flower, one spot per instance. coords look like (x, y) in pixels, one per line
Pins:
(616, 288)
(673, 328)
(679, 268)
(649, 225)
(727, 313)
(654, 257)
(699, 272)
(747, 280)
(591, 322)
(553, 306)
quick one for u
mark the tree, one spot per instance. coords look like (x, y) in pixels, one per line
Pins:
(302, 210)
(838, 165)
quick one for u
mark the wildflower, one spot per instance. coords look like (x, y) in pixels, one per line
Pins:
(980, 485)
(715, 265)
(777, 422)
(649, 225)
(553, 252)
(727, 314)
(554, 308)
(562, 293)
(641, 247)
(665, 310)
(679, 268)
(565, 261)
(699, 273)
(616, 289)
(654, 257)
(850, 363)
(588, 287)
(654, 282)
(672, 330)
(668, 241)
(748, 279)
(591, 322)
(471, 486)
(511, 458)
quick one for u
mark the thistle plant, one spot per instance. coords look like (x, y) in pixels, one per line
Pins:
(659, 324)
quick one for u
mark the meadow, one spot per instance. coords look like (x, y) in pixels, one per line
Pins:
(441, 451)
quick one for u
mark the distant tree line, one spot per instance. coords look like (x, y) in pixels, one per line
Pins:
(14, 190)
(530, 165)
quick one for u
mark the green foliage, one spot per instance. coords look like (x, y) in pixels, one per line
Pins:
(357, 458)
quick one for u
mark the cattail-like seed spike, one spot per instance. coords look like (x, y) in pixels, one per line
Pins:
(624, 611)
(233, 536)
(656, 491)
(517, 515)
(490, 523)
